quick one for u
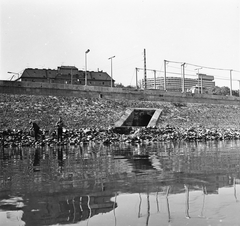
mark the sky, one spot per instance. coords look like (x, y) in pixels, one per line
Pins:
(51, 33)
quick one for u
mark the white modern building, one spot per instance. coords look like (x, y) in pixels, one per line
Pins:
(176, 84)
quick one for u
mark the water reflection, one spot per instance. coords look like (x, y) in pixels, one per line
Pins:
(80, 184)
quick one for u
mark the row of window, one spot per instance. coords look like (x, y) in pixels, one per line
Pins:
(69, 82)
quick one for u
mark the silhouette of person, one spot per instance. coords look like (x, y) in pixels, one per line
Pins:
(59, 126)
(35, 128)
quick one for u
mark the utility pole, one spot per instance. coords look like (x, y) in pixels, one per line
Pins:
(198, 79)
(145, 70)
(239, 88)
(154, 71)
(230, 82)
(183, 77)
(136, 78)
(165, 76)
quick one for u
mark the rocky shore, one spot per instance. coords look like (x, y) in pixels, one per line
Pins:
(92, 120)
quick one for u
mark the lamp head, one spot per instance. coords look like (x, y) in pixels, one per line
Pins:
(111, 57)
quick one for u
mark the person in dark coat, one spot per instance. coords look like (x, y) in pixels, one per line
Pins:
(35, 128)
(59, 126)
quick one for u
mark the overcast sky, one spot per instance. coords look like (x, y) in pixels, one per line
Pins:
(50, 33)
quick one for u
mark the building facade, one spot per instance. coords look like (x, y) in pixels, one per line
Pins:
(67, 75)
(175, 84)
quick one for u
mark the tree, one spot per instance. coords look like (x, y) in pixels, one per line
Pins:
(225, 90)
(130, 87)
(119, 85)
(235, 93)
(216, 90)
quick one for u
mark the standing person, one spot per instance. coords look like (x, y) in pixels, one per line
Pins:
(59, 125)
(35, 128)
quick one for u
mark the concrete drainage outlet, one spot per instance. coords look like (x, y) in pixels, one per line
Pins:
(139, 117)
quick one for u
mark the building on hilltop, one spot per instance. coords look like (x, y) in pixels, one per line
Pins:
(175, 84)
(67, 75)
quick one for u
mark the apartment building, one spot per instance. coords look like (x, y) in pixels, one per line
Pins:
(175, 84)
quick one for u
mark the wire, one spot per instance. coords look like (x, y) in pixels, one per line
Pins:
(174, 67)
(221, 69)
(168, 72)
(150, 70)
(123, 65)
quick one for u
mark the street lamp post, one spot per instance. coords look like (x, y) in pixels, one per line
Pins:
(110, 58)
(14, 73)
(86, 66)
(198, 79)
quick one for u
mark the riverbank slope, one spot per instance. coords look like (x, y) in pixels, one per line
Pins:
(16, 110)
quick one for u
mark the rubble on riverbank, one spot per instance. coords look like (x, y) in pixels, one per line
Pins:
(92, 120)
(15, 138)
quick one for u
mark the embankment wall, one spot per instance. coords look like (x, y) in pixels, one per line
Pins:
(53, 89)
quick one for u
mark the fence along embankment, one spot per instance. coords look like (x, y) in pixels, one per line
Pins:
(54, 89)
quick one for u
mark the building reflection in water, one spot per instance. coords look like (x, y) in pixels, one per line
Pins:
(65, 209)
(69, 185)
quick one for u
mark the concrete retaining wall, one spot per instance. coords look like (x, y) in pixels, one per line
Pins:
(37, 88)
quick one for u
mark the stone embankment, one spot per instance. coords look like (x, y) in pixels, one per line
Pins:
(92, 120)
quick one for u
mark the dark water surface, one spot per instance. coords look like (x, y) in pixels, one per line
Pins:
(159, 184)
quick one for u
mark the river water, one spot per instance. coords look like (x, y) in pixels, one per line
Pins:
(182, 183)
